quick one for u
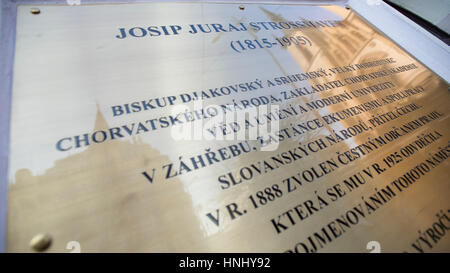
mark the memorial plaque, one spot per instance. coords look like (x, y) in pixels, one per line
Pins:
(180, 127)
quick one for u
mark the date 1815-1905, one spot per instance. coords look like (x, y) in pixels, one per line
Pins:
(243, 45)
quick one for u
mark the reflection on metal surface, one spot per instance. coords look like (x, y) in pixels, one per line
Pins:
(118, 195)
(117, 210)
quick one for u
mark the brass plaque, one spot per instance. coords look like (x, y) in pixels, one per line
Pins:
(180, 127)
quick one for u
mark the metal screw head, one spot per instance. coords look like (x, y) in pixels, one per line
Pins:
(41, 242)
(35, 11)
(241, 7)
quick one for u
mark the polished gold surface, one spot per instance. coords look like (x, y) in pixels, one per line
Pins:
(72, 66)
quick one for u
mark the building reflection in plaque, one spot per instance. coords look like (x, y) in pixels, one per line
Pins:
(96, 197)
